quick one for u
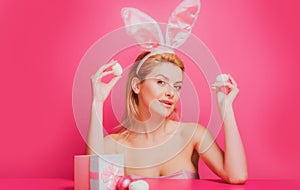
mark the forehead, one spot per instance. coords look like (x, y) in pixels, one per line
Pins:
(168, 70)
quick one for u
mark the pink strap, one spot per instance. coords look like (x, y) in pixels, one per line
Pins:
(94, 175)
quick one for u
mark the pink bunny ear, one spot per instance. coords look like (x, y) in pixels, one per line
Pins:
(142, 28)
(181, 22)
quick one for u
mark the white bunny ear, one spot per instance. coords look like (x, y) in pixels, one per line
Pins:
(142, 28)
(181, 22)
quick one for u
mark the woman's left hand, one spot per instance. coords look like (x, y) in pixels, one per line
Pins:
(227, 91)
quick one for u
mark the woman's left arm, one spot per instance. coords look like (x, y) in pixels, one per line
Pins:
(231, 163)
(235, 164)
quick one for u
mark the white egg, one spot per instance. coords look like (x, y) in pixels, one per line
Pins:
(139, 185)
(222, 77)
(117, 69)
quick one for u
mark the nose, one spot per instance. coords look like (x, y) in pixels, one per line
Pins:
(170, 91)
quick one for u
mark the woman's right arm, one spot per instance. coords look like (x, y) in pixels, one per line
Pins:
(95, 133)
(101, 91)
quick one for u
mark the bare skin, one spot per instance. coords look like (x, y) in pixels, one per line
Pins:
(151, 155)
(161, 146)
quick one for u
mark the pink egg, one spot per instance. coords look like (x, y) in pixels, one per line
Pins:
(124, 183)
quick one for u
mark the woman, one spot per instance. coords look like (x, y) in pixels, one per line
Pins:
(153, 143)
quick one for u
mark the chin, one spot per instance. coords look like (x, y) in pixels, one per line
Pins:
(163, 112)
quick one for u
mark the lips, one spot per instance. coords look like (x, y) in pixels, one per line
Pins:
(166, 103)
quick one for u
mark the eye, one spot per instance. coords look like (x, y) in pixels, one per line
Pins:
(178, 87)
(161, 82)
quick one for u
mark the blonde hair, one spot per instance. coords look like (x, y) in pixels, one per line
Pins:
(132, 101)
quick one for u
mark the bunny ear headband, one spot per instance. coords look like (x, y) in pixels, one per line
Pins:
(147, 33)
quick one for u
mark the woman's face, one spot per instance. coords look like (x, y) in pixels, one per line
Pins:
(160, 91)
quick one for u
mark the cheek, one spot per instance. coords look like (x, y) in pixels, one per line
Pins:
(148, 95)
(176, 102)
(177, 97)
(153, 92)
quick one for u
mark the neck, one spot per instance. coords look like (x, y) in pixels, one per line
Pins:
(148, 128)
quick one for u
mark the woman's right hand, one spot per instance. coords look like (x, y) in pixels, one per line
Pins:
(101, 90)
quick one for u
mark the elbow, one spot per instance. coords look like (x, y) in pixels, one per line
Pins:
(238, 180)
(89, 151)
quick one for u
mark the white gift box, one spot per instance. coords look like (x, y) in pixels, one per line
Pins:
(105, 171)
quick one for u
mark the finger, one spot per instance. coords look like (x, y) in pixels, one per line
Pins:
(110, 64)
(233, 94)
(113, 81)
(222, 84)
(235, 90)
(215, 88)
(104, 67)
(100, 75)
(105, 73)
(223, 90)
(218, 90)
(98, 72)
(96, 78)
(232, 80)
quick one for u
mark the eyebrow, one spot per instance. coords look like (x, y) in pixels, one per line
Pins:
(161, 75)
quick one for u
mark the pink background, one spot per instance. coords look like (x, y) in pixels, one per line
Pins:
(42, 43)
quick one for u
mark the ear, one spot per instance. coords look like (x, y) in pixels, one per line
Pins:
(143, 28)
(135, 85)
(181, 22)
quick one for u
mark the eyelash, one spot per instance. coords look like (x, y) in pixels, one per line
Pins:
(163, 84)
(178, 88)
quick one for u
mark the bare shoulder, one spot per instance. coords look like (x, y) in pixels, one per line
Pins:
(192, 129)
(111, 138)
(202, 137)
(111, 142)
(187, 126)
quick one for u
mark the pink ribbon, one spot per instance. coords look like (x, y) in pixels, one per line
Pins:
(110, 176)
(94, 175)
